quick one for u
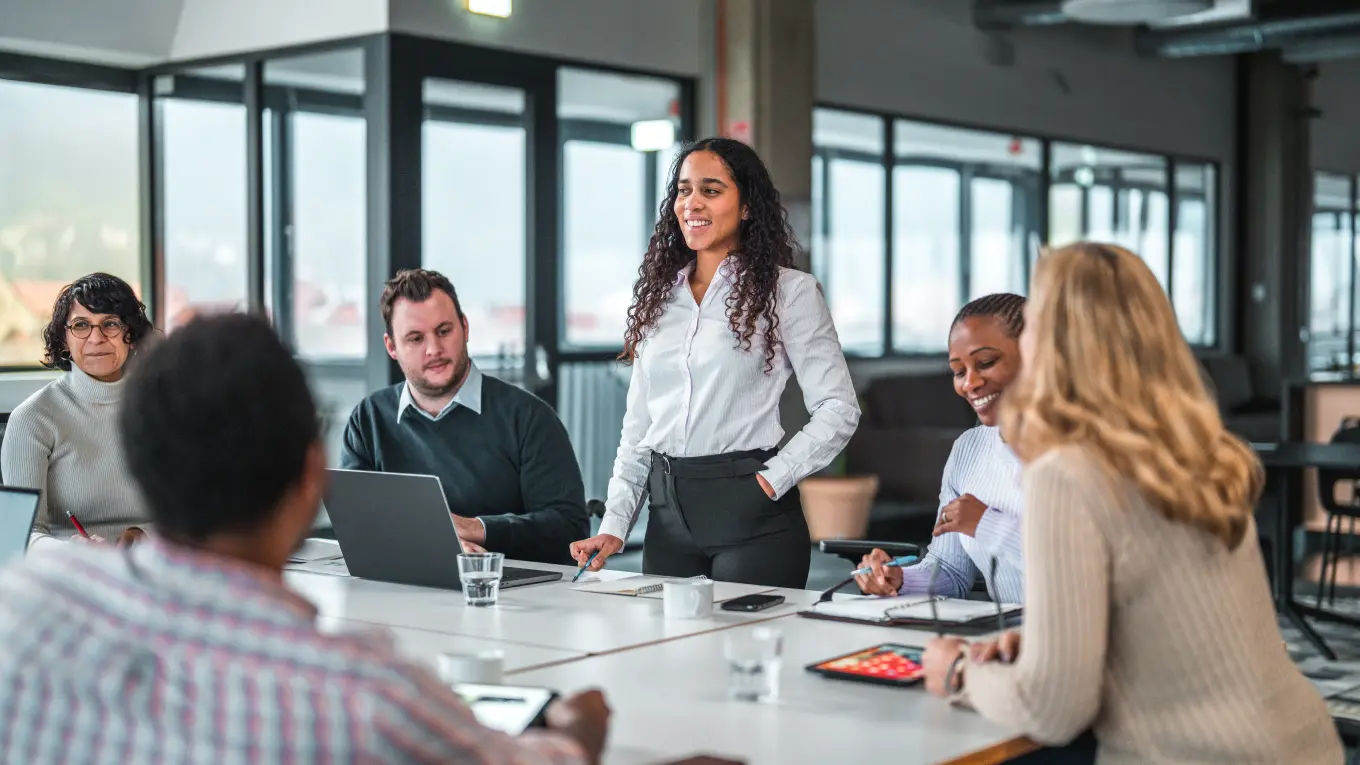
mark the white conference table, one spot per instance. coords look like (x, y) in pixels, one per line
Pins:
(666, 679)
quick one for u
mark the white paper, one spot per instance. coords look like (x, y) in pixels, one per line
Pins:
(722, 591)
(947, 610)
(316, 549)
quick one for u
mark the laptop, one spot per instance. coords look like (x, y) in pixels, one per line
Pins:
(18, 508)
(396, 527)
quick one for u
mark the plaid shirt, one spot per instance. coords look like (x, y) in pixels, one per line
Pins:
(162, 654)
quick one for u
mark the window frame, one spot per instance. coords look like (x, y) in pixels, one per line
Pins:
(1353, 188)
(63, 73)
(1037, 219)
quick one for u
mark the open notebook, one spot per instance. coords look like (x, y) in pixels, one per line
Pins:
(642, 586)
(914, 611)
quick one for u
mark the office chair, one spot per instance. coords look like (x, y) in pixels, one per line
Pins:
(1328, 480)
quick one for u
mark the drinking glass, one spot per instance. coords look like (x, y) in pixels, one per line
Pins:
(480, 574)
(753, 663)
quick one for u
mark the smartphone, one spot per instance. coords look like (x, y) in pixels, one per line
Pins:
(753, 602)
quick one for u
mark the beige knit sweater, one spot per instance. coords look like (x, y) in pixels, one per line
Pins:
(1149, 630)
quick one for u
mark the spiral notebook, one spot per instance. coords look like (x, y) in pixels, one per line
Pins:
(913, 610)
(642, 586)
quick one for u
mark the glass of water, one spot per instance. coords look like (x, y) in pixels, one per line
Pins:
(753, 663)
(480, 574)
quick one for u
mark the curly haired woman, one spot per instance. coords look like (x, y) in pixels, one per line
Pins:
(63, 440)
(719, 321)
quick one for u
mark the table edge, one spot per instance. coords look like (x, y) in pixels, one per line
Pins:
(997, 754)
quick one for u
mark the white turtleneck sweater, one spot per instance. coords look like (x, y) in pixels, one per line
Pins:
(64, 441)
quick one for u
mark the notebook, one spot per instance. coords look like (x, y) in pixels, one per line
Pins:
(642, 586)
(914, 610)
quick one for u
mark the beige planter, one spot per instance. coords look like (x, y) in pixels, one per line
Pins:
(838, 507)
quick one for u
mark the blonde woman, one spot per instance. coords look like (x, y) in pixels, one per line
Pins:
(1147, 613)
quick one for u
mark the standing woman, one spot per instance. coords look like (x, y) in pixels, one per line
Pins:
(719, 321)
(63, 440)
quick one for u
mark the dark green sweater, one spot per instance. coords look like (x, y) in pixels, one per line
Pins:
(512, 465)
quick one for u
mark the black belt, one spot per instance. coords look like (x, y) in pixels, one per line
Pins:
(731, 465)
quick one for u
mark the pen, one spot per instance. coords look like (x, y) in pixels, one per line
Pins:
(585, 565)
(76, 523)
(905, 560)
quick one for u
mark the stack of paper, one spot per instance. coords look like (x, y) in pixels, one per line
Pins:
(650, 587)
(316, 550)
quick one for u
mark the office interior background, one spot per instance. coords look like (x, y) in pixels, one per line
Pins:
(289, 155)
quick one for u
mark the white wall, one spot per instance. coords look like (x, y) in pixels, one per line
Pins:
(669, 36)
(925, 58)
(214, 27)
(1336, 135)
(126, 32)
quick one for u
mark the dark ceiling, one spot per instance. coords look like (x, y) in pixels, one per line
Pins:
(1304, 31)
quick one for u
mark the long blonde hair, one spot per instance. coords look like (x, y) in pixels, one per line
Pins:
(1109, 371)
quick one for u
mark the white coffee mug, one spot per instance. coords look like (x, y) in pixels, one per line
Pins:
(687, 598)
(484, 667)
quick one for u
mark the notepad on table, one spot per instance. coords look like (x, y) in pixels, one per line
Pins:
(643, 586)
(911, 609)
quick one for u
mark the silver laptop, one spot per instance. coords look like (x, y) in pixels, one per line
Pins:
(396, 527)
(18, 508)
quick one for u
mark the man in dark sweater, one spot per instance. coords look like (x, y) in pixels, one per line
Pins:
(502, 455)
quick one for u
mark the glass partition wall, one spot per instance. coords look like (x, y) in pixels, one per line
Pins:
(295, 182)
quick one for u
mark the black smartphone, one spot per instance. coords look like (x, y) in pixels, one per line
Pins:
(753, 602)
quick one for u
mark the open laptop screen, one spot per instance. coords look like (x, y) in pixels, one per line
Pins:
(17, 509)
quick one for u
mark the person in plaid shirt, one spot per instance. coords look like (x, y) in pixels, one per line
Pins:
(187, 647)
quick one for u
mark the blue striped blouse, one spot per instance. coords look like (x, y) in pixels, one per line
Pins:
(983, 465)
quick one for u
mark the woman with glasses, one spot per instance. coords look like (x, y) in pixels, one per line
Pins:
(1148, 616)
(977, 530)
(63, 440)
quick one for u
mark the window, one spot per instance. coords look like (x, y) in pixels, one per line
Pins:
(318, 239)
(1116, 197)
(618, 140)
(68, 205)
(965, 214)
(474, 180)
(1332, 270)
(1193, 251)
(849, 250)
(202, 152)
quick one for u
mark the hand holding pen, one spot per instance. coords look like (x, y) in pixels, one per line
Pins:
(880, 574)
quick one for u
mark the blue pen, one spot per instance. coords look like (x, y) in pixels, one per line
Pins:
(585, 565)
(905, 560)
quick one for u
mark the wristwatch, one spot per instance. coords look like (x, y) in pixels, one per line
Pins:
(953, 680)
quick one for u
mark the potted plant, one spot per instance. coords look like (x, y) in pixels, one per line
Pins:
(836, 504)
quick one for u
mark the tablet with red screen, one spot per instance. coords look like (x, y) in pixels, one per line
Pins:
(886, 664)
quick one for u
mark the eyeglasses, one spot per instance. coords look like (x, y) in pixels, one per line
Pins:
(111, 329)
(991, 581)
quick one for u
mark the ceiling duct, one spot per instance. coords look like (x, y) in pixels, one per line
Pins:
(1129, 12)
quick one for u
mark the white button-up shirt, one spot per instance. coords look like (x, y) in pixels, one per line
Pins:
(695, 392)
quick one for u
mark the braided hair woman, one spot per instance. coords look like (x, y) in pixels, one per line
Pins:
(720, 320)
(977, 529)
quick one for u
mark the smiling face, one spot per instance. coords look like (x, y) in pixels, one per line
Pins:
(708, 203)
(102, 353)
(984, 360)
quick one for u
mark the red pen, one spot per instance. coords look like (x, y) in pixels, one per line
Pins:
(79, 528)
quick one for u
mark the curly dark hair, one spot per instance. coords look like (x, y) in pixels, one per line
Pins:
(100, 293)
(765, 244)
(1005, 307)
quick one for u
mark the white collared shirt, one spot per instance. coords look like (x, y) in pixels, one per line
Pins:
(468, 395)
(695, 392)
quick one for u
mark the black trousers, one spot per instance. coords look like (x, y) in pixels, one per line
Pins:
(710, 516)
(1081, 751)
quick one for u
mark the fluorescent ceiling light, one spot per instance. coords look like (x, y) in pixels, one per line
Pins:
(498, 8)
(653, 135)
(1132, 11)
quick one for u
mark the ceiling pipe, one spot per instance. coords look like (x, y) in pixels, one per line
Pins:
(1009, 14)
(1245, 38)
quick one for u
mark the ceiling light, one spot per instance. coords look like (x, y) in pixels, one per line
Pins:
(653, 135)
(1132, 11)
(497, 8)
